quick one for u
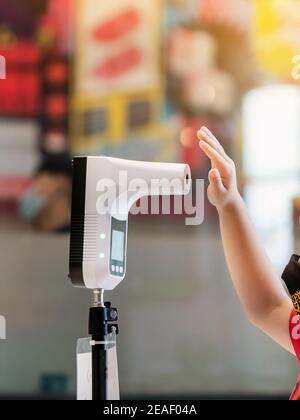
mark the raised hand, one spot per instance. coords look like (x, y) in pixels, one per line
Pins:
(222, 190)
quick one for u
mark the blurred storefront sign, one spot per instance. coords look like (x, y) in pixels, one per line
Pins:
(276, 34)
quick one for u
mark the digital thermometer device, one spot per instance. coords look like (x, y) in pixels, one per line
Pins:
(104, 190)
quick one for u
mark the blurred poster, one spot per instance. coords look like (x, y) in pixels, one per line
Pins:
(118, 46)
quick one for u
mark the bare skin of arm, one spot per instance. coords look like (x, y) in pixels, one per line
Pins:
(257, 284)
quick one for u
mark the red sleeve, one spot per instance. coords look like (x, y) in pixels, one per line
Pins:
(295, 332)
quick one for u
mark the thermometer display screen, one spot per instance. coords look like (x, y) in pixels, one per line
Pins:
(117, 248)
(118, 245)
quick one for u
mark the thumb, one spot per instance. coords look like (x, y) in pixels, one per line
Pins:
(216, 181)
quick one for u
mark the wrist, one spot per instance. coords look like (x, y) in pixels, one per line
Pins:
(231, 206)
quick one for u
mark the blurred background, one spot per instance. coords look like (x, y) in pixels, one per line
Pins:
(136, 79)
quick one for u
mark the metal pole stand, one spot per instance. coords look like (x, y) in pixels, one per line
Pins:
(103, 329)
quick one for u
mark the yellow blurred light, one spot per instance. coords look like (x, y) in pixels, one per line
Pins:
(272, 22)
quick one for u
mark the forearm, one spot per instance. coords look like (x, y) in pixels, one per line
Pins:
(256, 281)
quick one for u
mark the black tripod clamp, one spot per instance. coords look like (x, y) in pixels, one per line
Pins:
(102, 321)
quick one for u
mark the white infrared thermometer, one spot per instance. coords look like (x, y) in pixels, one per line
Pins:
(104, 191)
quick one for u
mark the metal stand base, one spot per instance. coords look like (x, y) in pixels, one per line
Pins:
(97, 364)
